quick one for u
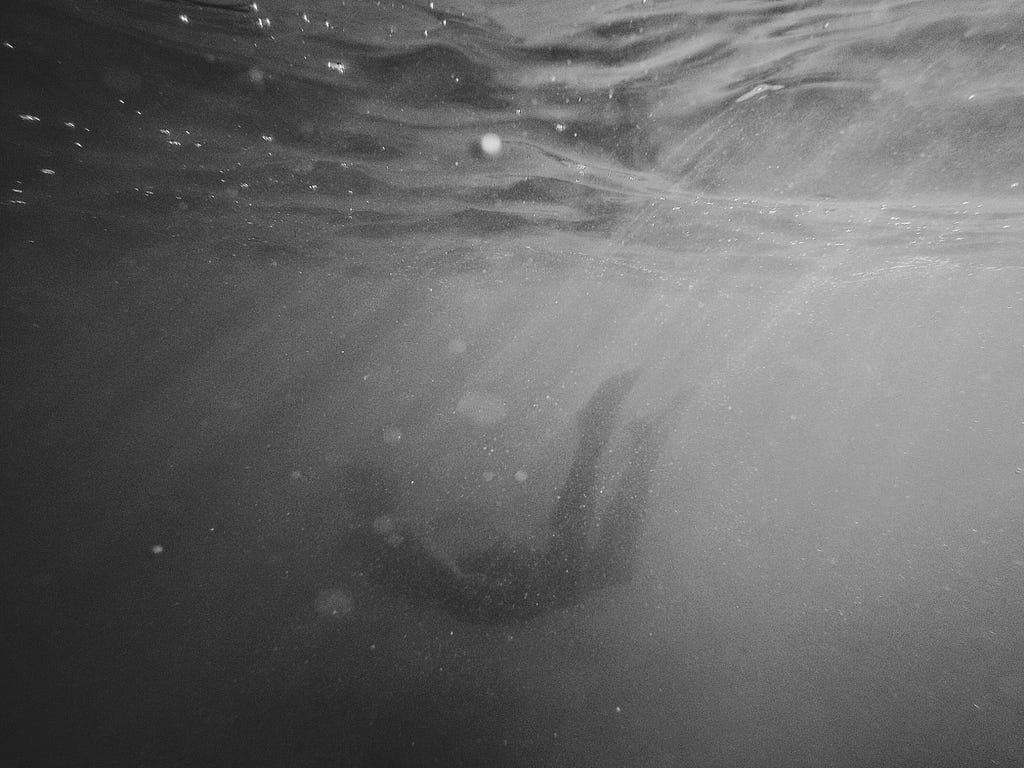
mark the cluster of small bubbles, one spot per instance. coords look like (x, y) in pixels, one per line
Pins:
(456, 346)
(391, 435)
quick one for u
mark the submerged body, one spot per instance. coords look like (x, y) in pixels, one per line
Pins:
(509, 583)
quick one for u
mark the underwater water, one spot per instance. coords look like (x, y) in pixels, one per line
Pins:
(244, 249)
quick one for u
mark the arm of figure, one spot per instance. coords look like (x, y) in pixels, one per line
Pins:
(616, 556)
(574, 506)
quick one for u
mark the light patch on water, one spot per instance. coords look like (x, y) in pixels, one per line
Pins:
(758, 90)
(333, 603)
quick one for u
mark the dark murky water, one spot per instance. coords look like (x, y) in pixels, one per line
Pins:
(243, 250)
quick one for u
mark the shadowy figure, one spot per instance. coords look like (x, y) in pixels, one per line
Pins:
(505, 583)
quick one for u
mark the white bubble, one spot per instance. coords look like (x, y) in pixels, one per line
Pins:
(391, 435)
(490, 144)
(521, 476)
(456, 346)
(488, 476)
(157, 549)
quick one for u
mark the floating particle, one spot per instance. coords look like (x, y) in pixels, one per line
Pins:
(490, 145)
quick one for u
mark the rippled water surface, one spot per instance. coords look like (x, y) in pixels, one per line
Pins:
(245, 248)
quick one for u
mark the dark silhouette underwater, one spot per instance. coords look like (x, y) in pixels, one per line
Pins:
(508, 582)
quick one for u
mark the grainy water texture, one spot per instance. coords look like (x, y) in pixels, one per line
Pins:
(247, 249)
